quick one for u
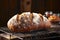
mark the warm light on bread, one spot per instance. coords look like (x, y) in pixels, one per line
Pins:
(54, 18)
(27, 22)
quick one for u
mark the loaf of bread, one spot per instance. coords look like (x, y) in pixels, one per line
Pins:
(54, 18)
(26, 22)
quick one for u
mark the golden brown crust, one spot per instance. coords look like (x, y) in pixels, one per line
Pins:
(24, 23)
(41, 16)
(54, 18)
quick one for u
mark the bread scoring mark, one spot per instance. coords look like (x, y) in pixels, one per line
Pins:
(36, 18)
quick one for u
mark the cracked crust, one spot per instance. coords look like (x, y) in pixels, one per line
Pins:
(27, 22)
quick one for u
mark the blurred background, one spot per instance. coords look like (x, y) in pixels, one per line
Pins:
(8, 8)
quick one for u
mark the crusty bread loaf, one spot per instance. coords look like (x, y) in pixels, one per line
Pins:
(27, 22)
(54, 18)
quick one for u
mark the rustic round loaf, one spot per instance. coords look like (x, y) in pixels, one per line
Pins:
(26, 22)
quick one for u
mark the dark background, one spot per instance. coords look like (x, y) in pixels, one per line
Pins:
(8, 8)
(46, 5)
